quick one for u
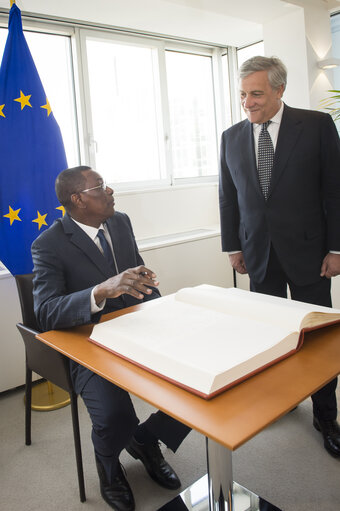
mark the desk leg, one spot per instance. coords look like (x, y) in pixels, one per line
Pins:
(220, 476)
(216, 491)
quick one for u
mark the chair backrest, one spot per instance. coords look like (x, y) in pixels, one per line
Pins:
(40, 358)
(25, 291)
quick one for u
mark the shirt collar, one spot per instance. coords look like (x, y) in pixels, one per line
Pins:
(89, 230)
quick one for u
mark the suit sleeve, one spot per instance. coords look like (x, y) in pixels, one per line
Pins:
(330, 154)
(229, 210)
(54, 307)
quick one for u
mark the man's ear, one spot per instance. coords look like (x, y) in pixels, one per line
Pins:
(280, 91)
(77, 201)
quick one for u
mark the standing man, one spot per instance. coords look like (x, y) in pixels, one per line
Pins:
(280, 203)
(86, 264)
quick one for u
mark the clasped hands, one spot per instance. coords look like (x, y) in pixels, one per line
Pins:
(133, 281)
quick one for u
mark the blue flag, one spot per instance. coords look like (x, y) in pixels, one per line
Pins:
(32, 153)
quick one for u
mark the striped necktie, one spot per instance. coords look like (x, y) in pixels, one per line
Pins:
(265, 159)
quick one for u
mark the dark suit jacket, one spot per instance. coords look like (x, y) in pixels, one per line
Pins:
(301, 216)
(67, 265)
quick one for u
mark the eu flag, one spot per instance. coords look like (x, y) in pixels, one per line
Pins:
(31, 153)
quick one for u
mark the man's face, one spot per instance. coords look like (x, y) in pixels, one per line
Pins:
(96, 200)
(259, 101)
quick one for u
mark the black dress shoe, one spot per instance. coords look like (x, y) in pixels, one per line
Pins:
(118, 493)
(156, 466)
(330, 430)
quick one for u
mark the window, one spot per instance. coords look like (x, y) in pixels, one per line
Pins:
(192, 114)
(335, 26)
(151, 118)
(247, 52)
(125, 109)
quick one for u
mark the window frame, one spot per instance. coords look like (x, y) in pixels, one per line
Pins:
(217, 82)
(88, 140)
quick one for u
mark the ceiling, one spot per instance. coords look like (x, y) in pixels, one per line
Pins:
(258, 11)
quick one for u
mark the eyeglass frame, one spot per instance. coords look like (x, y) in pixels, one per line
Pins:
(103, 186)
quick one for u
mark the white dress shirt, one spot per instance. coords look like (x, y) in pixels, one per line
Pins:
(92, 233)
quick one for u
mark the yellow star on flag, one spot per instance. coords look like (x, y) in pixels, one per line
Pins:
(24, 100)
(40, 220)
(48, 107)
(62, 209)
(1, 111)
(13, 215)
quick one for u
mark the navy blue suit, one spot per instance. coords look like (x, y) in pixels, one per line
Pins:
(67, 265)
(285, 238)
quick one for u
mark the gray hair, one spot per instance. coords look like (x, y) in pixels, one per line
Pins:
(70, 181)
(277, 71)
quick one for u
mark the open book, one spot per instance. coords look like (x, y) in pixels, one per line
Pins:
(206, 338)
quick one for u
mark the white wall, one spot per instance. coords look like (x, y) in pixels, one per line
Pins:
(170, 210)
(291, 48)
(12, 355)
(304, 38)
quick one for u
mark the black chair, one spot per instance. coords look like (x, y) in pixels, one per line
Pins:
(49, 364)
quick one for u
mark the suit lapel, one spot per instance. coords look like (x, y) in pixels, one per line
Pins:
(290, 130)
(79, 238)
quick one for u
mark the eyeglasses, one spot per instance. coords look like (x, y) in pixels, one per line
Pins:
(103, 187)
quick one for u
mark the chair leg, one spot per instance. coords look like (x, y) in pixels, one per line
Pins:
(77, 445)
(28, 402)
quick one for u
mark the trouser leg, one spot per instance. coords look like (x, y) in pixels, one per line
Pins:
(163, 427)
(319, 293)
(113, 420)
(275, 283)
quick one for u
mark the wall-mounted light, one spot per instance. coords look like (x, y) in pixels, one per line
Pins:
(330, 63)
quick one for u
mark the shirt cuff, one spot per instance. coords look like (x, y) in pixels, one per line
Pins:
(334, 252)
(94, 307)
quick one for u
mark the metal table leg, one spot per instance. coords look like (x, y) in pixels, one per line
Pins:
(220, 476)
(217, 491)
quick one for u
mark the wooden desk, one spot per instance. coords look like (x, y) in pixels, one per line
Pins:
(228, 420)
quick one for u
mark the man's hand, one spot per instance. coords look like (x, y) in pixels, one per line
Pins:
(237, 262)
(133, 281)
(330, 265)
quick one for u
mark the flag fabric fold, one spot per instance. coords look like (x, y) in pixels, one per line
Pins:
(31, 153)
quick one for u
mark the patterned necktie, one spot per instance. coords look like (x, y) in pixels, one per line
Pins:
(265, 158)
(107, 252)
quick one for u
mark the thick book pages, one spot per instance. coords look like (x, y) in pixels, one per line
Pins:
(207, 338)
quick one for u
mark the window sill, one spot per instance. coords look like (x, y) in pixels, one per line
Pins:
(177, 238)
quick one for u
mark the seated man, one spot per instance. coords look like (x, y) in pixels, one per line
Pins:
(86, 264)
